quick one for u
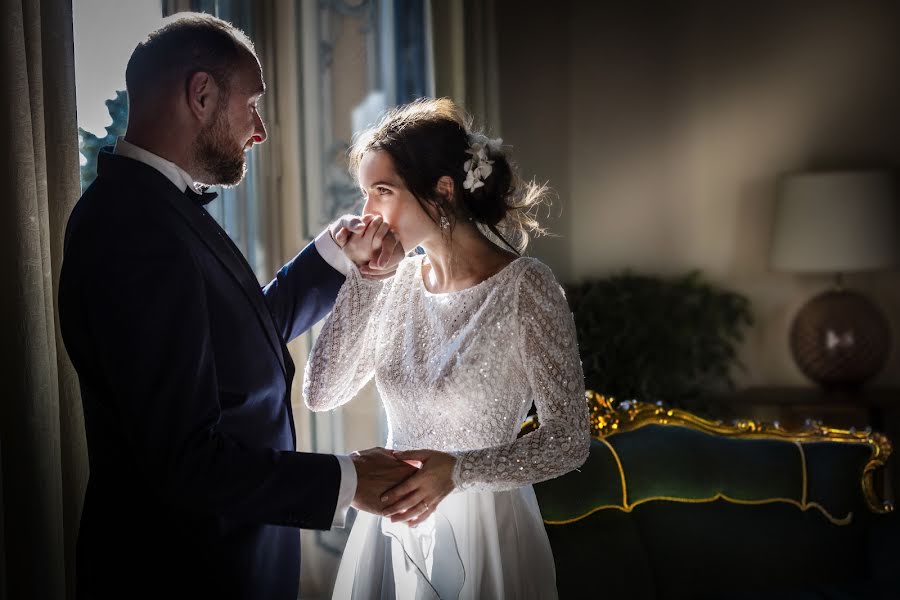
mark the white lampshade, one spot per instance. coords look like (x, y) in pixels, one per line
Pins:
(836, 223)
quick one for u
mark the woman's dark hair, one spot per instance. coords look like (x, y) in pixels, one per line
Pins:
(185, 44)
(427, 139)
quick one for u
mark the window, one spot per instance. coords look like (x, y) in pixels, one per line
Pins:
(239, 209)
(356, 60)
(332, 68)
(105, 32)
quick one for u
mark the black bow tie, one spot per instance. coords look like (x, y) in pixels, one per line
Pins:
(201, 199)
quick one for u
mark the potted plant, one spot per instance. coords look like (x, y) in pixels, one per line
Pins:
(658, 339)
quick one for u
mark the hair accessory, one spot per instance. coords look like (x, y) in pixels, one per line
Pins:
(478, 168)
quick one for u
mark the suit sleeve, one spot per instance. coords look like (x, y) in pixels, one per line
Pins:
(302, 293)
(145, 299)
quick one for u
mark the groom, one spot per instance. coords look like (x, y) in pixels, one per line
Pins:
(195, 488)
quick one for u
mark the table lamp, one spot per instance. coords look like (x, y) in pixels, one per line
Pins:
(837, 223)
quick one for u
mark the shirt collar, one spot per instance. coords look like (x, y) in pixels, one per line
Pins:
(178, 176)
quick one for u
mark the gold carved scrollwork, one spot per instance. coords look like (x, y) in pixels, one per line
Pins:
(609, 417)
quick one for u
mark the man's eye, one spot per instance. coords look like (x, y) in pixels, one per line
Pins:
(383, 191)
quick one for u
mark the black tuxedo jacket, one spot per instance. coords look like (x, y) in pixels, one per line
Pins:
(195, 489)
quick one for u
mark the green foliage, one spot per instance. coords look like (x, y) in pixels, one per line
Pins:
(89, 144)
(656, 339)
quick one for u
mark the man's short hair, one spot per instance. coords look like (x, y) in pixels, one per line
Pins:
(186, 44)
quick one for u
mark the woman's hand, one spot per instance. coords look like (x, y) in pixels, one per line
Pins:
(416, 498)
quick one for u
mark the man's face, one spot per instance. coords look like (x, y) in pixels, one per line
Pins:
(221, 145)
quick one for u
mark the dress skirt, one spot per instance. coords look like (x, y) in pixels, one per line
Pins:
(475, 546)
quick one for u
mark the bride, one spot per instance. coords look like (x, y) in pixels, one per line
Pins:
(460, 342)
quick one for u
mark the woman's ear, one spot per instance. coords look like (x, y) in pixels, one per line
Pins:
(445, 188)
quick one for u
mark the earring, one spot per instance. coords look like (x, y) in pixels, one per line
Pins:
(445, 222)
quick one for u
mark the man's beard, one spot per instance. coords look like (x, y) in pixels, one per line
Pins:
(217, 156)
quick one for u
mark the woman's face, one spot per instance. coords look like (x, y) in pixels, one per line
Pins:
(386, 195)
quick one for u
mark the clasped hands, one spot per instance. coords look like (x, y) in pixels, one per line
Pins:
(405, 486)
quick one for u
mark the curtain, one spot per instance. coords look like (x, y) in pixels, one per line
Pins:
(43, 456)
(464, 55)
(171, 7)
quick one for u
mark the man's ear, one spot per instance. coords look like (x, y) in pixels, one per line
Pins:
(445, 188)
(203, 96)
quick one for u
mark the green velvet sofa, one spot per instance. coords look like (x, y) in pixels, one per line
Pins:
(669, 506)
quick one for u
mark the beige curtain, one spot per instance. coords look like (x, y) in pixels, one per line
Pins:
(464, 55)
(43, 462)
(170, 7)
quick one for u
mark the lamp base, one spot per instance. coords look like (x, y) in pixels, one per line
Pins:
(840, 339)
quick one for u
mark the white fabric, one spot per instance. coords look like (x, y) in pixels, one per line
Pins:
(178, 176)
(347, 490)
(457, 372)
(332, 253)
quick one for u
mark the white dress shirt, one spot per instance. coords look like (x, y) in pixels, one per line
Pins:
(328, 250)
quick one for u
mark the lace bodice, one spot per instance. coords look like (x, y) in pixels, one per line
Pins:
(457, 372)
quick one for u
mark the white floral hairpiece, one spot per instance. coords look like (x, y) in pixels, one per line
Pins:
(478, 168)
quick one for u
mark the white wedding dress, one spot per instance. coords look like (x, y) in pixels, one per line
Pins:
(457, 372)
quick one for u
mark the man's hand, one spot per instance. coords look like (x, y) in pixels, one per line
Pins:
(343, 228)
(369, 242)
(377, 471)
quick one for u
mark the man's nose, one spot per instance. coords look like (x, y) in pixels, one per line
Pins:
(259, 130)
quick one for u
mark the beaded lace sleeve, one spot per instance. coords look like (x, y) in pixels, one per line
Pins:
(549, 352)
(342, 359)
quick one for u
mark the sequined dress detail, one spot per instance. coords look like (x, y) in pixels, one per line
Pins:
(458, 372)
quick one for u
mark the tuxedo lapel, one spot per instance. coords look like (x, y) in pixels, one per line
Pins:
(130, 172)
(230, 256)
(234, 262)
